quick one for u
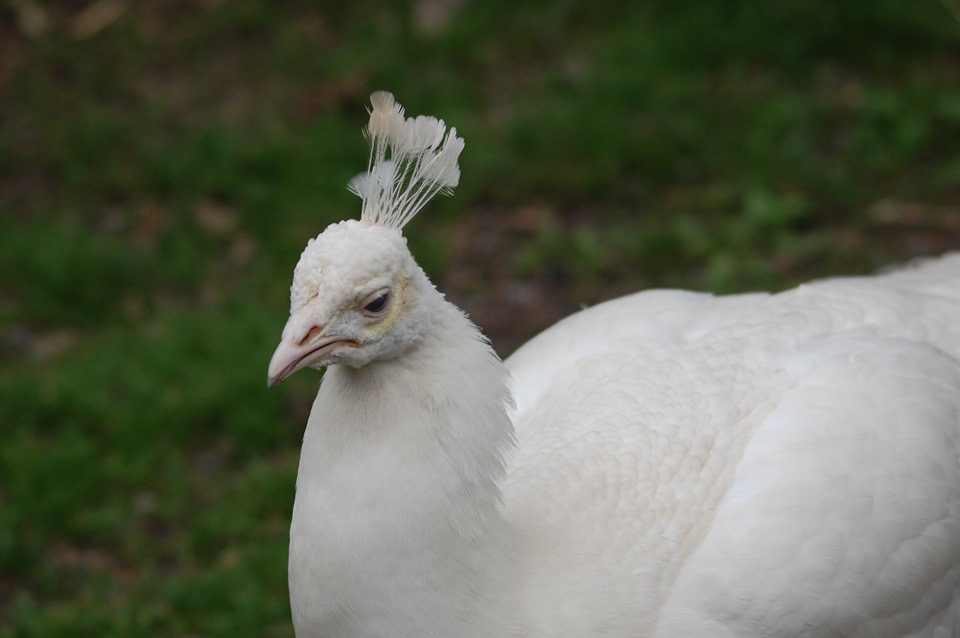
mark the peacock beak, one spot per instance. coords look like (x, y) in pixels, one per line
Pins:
(303, 343)
(286, 360)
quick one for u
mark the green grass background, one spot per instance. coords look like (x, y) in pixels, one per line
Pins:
(162, 164)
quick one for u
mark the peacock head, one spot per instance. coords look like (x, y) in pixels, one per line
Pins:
(358, 295)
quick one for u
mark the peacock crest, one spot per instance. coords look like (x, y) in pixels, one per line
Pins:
(411, 160)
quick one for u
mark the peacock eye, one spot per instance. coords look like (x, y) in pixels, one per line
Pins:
(378, 303)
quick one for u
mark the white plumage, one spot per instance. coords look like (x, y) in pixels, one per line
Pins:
(668, 464)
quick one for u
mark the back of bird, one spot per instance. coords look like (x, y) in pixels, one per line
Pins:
(776, 465)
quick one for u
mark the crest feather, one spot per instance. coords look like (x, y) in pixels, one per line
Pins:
(411, 160)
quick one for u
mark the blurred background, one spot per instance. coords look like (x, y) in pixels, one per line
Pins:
(163, 162)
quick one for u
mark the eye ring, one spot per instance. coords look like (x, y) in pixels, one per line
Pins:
(377, 303)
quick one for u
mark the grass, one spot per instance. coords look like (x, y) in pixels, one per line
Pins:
(160, 172)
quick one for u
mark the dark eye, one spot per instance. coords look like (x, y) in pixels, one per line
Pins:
(378, 304)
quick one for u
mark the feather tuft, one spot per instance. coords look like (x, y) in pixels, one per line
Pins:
(411, 160)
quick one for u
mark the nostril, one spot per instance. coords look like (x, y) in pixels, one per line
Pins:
(311, 335)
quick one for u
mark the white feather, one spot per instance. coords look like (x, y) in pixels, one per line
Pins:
(411, 160)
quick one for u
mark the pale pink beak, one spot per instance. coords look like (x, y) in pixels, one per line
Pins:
(302, 344)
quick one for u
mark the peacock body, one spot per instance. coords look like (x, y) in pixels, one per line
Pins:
(667, 464)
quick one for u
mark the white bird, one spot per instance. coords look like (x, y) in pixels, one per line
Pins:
(668, 464)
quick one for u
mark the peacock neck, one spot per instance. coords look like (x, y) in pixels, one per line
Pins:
(398, 489)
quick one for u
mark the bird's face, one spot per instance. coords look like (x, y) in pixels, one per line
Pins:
(354, 299)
